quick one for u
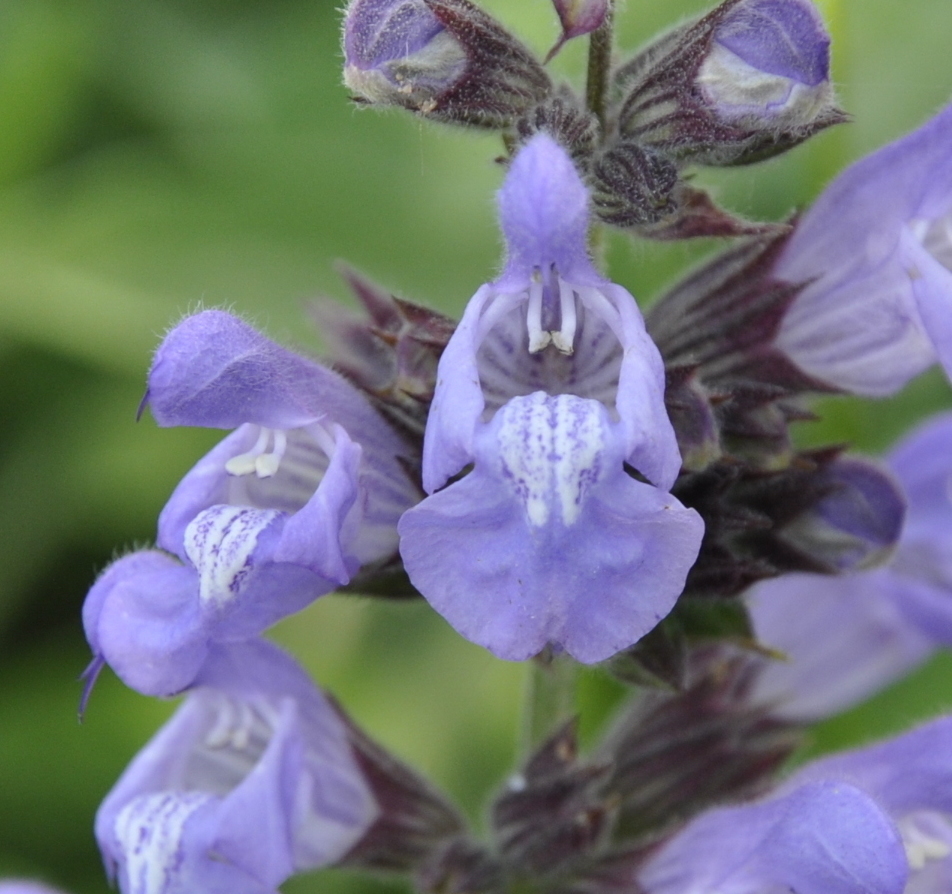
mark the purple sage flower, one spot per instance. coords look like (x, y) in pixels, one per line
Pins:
(550, 387)
(820, 838)
(768, 65)
(306, 490)
(250, 781)
(910, 777)
(875, 253)
(847, 637)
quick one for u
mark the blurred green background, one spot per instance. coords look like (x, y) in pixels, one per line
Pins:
(161, 155)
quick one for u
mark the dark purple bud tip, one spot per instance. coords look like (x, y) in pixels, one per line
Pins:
(769, 62)
(578, 17)
(858, 523)
(397, 52)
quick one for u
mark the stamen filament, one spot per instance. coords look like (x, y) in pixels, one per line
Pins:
(245, 463)
(258, 460)
(267, 464)
(538, 339)
(564, 339)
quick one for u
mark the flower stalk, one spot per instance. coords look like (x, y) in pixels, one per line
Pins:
(600, 47)
(549, 700)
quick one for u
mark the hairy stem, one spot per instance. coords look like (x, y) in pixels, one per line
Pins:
(599, 66)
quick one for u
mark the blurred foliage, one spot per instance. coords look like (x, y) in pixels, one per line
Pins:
(160, 155)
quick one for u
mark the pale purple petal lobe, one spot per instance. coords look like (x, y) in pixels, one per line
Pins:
(548, 539)
(874, 255)
(820, 838)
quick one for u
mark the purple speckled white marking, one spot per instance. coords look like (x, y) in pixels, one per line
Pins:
(149, 829)
(220, 543)
(549, 449)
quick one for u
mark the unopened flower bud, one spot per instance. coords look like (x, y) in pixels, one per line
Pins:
(858, 523)
(446, 59)
(397, 52)
(747, 81)
(768, 65)
(578, 17)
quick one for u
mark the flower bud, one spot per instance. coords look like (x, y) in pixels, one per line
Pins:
(578, 17)
(768, 65)
(747, 81)
(446, 59)
(397, 52)
(857, 523)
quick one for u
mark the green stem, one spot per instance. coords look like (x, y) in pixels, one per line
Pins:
(599, 66)
(549, 698)
(600, 45)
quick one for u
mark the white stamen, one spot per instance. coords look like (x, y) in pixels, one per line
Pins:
(936, 238)
(234, 726)
(923, 844)
(564, 339)
(538, 339)
(220, 734)
(257, 460)
(241, 735)
(244, 463)
(267, 464)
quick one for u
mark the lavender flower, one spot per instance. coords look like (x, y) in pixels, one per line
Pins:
(910, 777)
(306, 490)
(875, 254)
(820, 838)
(847, 637)
(549, 387)
(768, 65)
(251, 780)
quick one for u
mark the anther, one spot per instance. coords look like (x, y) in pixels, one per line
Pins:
(258, 460)
(564, 339)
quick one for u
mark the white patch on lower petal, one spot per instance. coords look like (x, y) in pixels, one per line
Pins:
(149, 830)
(220, 542)
(926, 836)
(550, 448)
